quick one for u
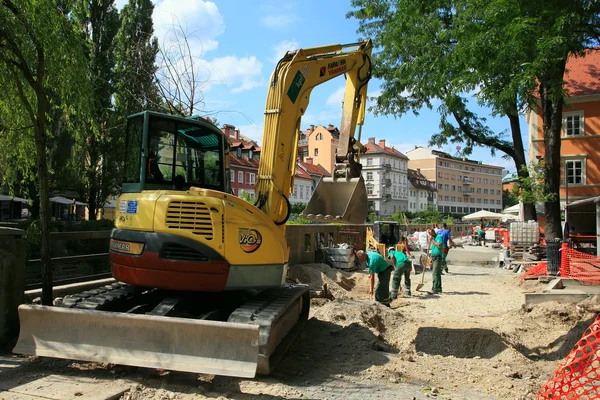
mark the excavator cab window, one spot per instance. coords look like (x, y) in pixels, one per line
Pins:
(175, 153)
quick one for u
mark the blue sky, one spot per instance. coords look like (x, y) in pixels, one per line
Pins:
(240, 41)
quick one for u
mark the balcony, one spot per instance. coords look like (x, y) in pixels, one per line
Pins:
(386, 182)
(468, 181)
(387, 166)
(386, 197)
(467, 193)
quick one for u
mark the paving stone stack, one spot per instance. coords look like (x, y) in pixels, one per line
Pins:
(534, 253)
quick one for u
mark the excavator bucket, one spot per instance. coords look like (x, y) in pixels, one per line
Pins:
(339, 200)
(181, 344)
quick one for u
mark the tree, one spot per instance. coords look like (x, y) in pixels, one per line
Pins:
(99, 20)
(181, 75)
(510, 198)
(442, 50)
(40, 61)
(507, 54)
(135, 54)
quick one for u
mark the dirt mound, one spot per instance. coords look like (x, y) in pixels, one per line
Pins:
(341, 284)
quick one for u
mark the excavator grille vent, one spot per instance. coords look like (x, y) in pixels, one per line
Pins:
(193, 216)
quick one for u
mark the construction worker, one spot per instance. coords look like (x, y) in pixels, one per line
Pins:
(436, 269)
(446, 239)
(377, 265)
(402, 266)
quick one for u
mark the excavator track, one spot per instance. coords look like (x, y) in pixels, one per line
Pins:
(192, 332)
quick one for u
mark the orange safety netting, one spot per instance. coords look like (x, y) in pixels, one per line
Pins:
(573, 264)
(578, 377)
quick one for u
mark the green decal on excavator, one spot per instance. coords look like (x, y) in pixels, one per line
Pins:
(295, 87)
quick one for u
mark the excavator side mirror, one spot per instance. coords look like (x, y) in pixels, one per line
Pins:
(338, 200)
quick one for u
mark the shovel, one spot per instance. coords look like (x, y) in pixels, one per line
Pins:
(424, 261)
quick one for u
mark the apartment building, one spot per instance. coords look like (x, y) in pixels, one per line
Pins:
(385, 174)
(580, 136)
(303, 187)
(463, 186)
(421, 191)
(244, 158)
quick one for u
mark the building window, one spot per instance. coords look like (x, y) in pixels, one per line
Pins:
(440, 186)
(252, 179)
(248, 177)
(453, 209)
(498, 202)
(478, 201)
(485, 191)
(252, 195)
(440, 175)
(316, 152)
(478, 190)
(491, 191)
(240, 177)
(369, 176)
(574, 172)
(301, 192)
(369, 190)
(473, 200)
(441, 163)
(319, 136)
(453, 198)
(369, 162)
(447, 187)
(453, 188)
(573, 123)
(478, 180)
(460, 188)
(485, 180)
(447, 198)
(232, 177)
(485, 201)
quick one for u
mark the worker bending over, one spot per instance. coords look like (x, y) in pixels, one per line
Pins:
(378, 265)
(402, 266)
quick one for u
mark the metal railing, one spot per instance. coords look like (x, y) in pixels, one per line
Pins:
(59, 262)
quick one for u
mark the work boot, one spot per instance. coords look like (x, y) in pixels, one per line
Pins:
(407, 295)
(446, 269)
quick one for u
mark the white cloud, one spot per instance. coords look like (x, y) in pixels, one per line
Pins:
(201, 19)
(280, 21)
(281, 48)
(239, 74)
(336, 98)
(253, 131)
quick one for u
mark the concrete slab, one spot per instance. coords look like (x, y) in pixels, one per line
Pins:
(556, 283)
(559, 295)
(59, 387)
(17, 396)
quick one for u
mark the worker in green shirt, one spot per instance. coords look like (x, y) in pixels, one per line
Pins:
(481, 236)
(402, 266)
(437, 245)
(378, 265)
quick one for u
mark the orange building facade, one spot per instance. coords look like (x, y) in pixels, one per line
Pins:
(580, 135)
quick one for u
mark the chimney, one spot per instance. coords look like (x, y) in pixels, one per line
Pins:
(236, 135)
(382, 143)
(312, 128)
(308, 160)
(372, 140)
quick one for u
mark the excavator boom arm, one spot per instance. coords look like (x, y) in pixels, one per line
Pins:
(296, 74)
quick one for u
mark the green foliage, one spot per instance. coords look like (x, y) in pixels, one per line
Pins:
(372, 216)
(509, 198)
(534, 187)
(430, 215)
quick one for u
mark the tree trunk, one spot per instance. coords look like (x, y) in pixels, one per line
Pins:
(42, 167)
(552, 105)
(520, 161)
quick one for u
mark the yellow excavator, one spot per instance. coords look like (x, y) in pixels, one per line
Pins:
(201, 273)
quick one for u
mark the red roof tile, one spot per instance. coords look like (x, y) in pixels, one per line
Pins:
(243, 161)
(374, 148)
(313, 169)
(583, 74)
(300, 173)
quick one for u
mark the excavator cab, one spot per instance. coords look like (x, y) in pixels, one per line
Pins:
(172, 153)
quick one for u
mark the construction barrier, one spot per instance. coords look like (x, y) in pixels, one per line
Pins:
(573, 264)
(578, 377)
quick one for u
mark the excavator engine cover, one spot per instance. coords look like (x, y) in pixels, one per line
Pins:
(338, 200)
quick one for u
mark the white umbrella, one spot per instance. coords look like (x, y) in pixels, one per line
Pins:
(482, 214)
